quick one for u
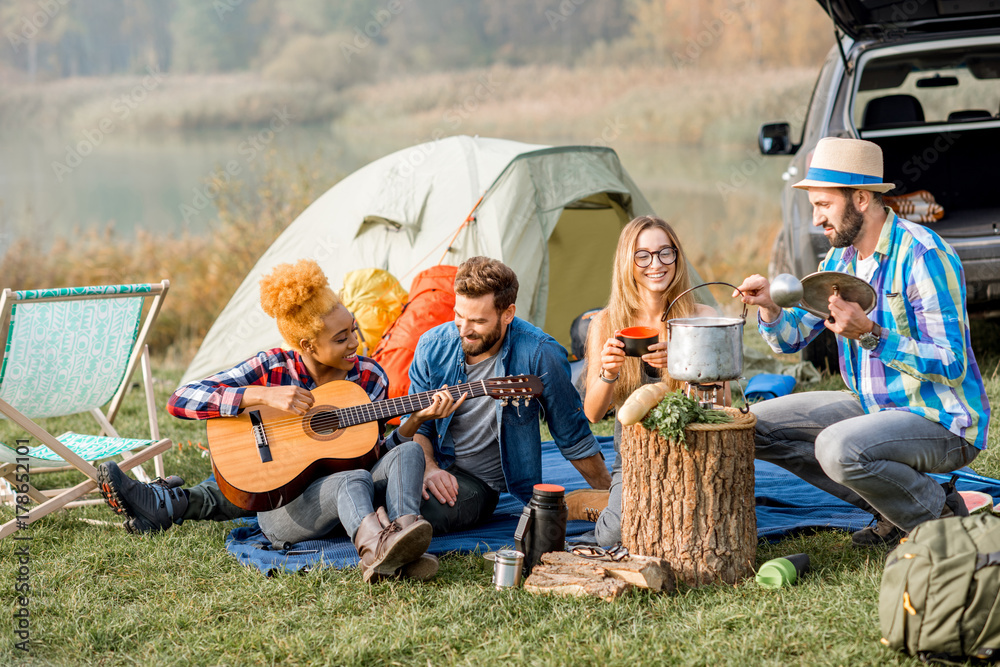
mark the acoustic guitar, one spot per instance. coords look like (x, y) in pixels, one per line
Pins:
(265, 458)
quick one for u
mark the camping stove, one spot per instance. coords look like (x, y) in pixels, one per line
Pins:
(707, 395)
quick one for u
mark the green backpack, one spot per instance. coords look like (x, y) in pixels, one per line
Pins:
(940, 595)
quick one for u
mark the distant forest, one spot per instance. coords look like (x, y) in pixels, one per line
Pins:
(343, 42)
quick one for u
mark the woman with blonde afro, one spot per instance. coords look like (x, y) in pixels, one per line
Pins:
(321, 332)
(650, 273)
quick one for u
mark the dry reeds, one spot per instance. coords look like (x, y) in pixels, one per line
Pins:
(544, 104)
(204, 270)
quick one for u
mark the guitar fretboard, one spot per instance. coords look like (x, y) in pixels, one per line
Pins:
(402, 405)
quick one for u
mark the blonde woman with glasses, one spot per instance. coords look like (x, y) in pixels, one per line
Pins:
(649, 274)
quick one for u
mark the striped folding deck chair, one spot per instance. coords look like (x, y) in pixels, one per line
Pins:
(68, 351)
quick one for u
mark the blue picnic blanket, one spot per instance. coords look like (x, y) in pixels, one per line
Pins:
(785, 505)
(768, 385)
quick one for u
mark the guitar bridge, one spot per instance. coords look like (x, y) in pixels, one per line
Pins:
(259, 437)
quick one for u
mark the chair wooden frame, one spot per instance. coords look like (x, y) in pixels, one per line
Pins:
(13, 468)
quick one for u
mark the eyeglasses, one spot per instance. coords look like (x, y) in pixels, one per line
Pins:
(644, 258)
(615, 553)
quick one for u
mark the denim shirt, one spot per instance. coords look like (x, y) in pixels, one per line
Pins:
(526, 350)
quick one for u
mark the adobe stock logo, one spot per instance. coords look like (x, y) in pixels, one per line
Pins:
(31, 24)
(709, 35)
(381, 18)
(252, 146)
(121, 110)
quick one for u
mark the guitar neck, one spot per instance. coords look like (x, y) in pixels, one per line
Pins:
(403, 405)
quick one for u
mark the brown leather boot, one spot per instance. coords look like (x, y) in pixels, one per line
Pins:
(586, 504)
(424, 567)
(385, 547)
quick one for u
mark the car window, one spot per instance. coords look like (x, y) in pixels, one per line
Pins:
(928, 88)
(813, 127)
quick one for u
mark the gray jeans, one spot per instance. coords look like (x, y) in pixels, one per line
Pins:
(608, 530)
(873, 461)
(206, 503)
(346, 498)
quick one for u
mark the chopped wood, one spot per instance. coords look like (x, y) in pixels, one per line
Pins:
(547, 580)
(642, 571)
(561, 573)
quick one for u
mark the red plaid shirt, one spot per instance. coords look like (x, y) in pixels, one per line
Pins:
(219, 395)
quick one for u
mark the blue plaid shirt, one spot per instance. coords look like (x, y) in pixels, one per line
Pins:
(923, 362)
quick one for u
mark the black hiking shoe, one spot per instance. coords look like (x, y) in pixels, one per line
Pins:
(149, 507)
(954, 504)
(883, 533)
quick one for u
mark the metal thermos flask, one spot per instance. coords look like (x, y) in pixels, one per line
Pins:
(542, 527)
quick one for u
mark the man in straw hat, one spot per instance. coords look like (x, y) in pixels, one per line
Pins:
(918, 403)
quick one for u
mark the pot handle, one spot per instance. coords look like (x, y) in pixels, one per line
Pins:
(746, 404)
(691, 289)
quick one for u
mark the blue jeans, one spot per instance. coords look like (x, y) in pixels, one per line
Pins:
(873, 461)
(346, 498)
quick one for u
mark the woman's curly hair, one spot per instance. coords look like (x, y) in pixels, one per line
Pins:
(298, 297)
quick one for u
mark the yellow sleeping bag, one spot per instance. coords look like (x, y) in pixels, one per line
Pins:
(376, 299)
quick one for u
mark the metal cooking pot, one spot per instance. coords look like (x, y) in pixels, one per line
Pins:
(705, 350)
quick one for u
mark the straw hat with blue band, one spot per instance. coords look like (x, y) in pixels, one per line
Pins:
(845, 163)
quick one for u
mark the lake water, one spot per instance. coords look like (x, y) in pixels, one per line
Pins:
(724, 200)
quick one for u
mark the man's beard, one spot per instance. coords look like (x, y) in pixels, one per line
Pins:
(853, 219)
(476, 347)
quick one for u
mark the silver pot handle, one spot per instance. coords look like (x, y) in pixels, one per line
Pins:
(691, 289)
(746, 404)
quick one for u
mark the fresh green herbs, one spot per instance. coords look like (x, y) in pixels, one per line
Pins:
(676, 411)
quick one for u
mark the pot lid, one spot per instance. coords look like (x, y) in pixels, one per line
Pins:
(877, 18)
(818, 287)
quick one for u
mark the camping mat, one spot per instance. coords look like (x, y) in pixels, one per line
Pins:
(785, 505)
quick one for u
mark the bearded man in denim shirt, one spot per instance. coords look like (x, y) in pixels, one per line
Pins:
(917, 403)
(484, 447)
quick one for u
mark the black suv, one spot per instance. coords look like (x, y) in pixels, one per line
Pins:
(921, 78)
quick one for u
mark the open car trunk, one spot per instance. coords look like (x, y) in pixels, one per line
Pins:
(934, 108)
(957, 166)
(871, 19)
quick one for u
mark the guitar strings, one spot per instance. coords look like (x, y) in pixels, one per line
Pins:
(364, 413)
(369, 412)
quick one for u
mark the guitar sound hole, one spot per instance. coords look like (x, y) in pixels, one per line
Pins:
(323, 423)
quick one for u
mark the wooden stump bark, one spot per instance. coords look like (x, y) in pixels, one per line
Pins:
(692, 503)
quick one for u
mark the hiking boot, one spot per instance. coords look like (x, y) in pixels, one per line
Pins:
(586, 504)
(954, 503)
(385, 546)
(424, 567)
(149, 507)
(883, 533)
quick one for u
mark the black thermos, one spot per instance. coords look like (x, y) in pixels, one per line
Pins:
(542, 527)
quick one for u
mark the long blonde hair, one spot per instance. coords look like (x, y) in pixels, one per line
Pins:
(625, 303)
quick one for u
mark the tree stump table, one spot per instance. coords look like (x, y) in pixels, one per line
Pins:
(692, 503)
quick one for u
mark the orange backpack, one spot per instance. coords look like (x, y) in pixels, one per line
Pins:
(432, 302)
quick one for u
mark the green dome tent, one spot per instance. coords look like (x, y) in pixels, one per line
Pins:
(553, 214)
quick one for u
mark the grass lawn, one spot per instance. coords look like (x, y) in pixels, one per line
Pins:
(102, 597)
